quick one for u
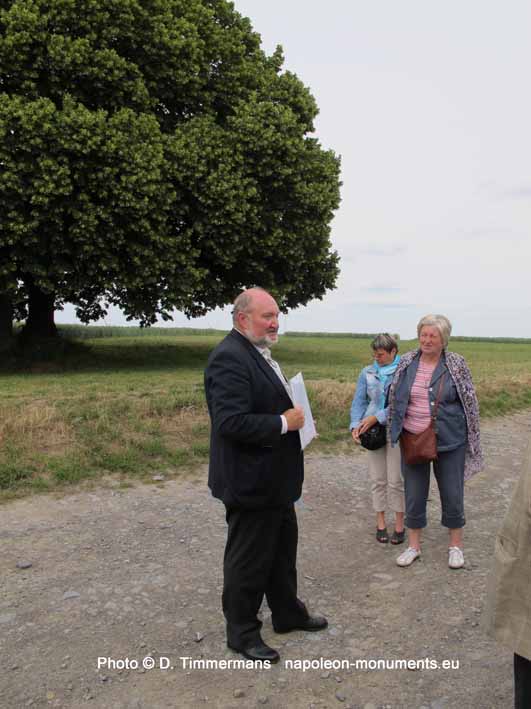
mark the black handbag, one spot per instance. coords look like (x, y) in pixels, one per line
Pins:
(374, 438)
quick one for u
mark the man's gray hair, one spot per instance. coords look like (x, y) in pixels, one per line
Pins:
(384, 341)
(242, 304)
(442, 324)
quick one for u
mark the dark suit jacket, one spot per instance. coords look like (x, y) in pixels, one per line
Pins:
(251, 464)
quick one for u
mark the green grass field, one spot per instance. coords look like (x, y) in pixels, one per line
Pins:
(132, 406)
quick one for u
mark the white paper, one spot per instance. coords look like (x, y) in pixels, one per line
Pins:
(300, 398)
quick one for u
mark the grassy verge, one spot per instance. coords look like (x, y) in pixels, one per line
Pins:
(134, 407)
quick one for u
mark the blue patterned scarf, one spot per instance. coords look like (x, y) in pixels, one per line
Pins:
(384, 373)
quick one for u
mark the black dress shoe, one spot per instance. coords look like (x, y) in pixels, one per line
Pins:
(258, 651)
(311, 624)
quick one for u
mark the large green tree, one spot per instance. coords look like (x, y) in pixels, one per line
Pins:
(152, 156)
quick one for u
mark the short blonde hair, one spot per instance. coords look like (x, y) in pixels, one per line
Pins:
(442, 324)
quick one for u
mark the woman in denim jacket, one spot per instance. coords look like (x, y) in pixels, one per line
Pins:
(368, 408)
(432, 379)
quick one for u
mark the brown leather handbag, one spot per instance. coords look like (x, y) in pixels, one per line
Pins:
(421, 447)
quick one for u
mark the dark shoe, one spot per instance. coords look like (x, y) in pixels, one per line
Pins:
(398, 537)
(258, 652)
(311, 624)
(382, 536)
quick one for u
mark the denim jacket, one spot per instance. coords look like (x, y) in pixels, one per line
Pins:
(450, 425)
(367, 397)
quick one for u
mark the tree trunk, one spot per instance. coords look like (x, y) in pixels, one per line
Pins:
(40, 323)
(6, 321)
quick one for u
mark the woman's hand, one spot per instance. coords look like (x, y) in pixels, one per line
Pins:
(366, 424)
(356, 435)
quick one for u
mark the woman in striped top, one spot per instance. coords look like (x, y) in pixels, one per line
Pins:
(424, 377)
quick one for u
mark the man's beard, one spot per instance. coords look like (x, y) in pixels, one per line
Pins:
(264, 341)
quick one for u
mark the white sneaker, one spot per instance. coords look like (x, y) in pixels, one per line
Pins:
(407, 557)
(456, 560)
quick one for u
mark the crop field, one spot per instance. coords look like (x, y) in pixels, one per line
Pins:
(133, 406)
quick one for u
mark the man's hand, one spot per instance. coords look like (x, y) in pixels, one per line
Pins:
(295, 418)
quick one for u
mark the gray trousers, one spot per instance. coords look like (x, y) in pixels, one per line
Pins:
(387, 486)
(449, 469)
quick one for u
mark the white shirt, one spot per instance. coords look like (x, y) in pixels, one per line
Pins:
(264, 351)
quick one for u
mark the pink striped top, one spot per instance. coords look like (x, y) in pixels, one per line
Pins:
(417, 418)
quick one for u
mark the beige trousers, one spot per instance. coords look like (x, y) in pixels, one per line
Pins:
(387, 486)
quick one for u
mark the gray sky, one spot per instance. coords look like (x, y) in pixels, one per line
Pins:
(428, 104)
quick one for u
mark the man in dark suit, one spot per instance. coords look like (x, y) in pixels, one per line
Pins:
(257, 470)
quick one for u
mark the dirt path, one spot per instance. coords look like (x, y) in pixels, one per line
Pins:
(137, 572)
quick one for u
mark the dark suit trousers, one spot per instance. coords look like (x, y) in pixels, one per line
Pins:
(260, 558)
(522, 682)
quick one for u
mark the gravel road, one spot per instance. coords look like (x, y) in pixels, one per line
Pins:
(126, 574)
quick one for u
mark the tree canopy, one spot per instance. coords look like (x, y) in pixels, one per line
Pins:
(152, 156)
